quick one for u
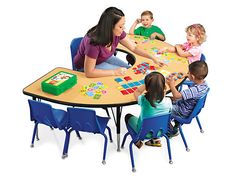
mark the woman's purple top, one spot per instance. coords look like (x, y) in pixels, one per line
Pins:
(97, 52)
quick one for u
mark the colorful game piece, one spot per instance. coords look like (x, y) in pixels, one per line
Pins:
(95, 90)
(118, 79)
(127, 78)
(137, 83)
(125, 86)
(124, 92)
(131, 84)
(141, 81)
(130, 90)
(97, 96)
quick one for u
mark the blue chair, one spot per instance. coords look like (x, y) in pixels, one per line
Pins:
(86, 120)
(43, 113)
(74, 45)
(153, 127)
(197, 109)
(202, 58)
(188, 82)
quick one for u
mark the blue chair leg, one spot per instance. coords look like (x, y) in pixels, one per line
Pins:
(34, 133)
(78, 134)
(109, 132)
(124, 139)
(199, 124)
(183, 138)
(66, 144)
(169, 149)
(104, 150)
(132, 156)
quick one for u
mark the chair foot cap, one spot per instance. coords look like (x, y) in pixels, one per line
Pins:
(64, 156)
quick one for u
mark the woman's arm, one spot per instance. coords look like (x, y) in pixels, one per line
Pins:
(91, 71)
(131, 46)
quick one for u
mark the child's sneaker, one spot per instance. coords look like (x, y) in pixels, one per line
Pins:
(173, 133)
(153, 142)
(139, 144)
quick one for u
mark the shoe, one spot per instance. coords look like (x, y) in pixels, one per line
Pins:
(139, 144)
(173, 133)
(153, 142)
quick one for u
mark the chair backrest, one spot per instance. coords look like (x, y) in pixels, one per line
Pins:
(74, 45)
(200, 104)
(153, 126)
(42, 113)
(83, 119)
(202, 58)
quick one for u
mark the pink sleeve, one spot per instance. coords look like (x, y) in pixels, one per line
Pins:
(195, 51)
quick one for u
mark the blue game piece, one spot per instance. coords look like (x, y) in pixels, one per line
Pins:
(136, 83)
(125, 86)
(131, 84)
(118, 79)
(141, 81)
(90, 93)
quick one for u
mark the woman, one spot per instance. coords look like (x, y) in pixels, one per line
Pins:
(95, 55)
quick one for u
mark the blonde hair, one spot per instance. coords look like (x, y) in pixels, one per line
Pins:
(198, 31)
(147, 12)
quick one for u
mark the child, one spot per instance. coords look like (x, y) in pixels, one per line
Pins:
(153, 102)
(196, 35)
(185, 100)
(147, 29)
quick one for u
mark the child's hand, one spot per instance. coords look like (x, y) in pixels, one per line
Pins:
(138, 20)
(184, 74)
(162, 50)
(153, 36)
(170, 81)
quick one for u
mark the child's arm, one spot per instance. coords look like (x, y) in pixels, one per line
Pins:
(132, 28)
(180, 51)
(170, 49)
(171, 83)
(159, 36)
(139, 91)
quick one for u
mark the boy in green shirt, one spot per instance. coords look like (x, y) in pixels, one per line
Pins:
(147, 29)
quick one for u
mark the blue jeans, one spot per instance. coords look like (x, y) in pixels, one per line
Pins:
(112, 63)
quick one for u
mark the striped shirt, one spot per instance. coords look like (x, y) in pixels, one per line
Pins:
(190, 96)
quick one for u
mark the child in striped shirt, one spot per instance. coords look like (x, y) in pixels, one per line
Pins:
(185, 100)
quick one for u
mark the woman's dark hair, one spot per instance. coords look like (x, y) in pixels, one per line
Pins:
(155, 86)
(102, 33)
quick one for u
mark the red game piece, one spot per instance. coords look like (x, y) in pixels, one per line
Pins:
(124, 92)
(127, 78)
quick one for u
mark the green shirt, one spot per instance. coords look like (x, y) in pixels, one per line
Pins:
(164, 107)
(142, 31)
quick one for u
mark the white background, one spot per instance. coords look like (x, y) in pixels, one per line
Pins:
(35, 38)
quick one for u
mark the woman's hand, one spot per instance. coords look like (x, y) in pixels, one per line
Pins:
(159, 63)
(120, 71)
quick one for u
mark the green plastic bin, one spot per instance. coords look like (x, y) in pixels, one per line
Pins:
(59, 83)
